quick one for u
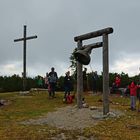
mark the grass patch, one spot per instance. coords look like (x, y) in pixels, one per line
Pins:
(22, 108)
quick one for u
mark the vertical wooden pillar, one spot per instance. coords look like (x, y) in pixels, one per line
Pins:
(24, 59)
(105, 75)
(79, 79)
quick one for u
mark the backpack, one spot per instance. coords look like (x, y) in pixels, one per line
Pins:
(69, 99)
(53, 77)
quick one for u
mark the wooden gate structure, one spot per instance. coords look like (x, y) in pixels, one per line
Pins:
(104, 33)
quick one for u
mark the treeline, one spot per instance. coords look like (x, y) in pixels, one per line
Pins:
(15, 82)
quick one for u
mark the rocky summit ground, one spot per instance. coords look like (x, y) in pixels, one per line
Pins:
(70, 117)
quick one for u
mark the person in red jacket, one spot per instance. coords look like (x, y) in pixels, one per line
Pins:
(133, 95)
(117, 81)
(116, 84)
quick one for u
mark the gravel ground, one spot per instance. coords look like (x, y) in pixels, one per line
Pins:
(70, 117)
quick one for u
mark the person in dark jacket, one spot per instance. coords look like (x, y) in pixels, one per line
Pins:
(52, 77)
(67, 84)
(95, 78)
(85, 80)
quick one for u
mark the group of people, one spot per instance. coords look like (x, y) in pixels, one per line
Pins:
(132, 88)
(51, 79)
(49, 82)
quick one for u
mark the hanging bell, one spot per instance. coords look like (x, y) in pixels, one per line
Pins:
(83, 55)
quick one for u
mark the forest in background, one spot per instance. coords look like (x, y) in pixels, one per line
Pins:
(15, 82)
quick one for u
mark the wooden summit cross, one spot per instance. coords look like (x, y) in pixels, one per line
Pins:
(24, 39)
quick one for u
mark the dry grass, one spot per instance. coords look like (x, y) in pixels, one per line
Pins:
(117, 128)
(21, 108)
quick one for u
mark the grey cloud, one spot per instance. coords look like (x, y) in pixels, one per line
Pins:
(57, 22)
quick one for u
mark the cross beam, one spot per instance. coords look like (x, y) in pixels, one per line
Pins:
(90, 35)
(24, 39)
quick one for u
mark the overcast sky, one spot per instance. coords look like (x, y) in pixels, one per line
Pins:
(56, 23)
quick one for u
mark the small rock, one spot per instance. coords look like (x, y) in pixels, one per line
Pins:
(85, 105)
(93, 108)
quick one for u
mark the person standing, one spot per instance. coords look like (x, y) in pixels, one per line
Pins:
(133, 95)
(40, 82)
(95, 78)
(116, 84)
(117, 81)
(52, 82)
(46, 80)
(47, 85)
(85, 80)
(67, 85)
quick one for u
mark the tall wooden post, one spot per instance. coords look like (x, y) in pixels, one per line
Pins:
(105, 75)
(24, 39)
(24, 59)
(79, 79)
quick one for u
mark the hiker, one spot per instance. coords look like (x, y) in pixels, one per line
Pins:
(95, 78)
(52, 82)
(85, 80)
(47, 84)
(67, 84)
(133, 95)
(40, 82)
(46, 80)
(116, 84)
(117, 81)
